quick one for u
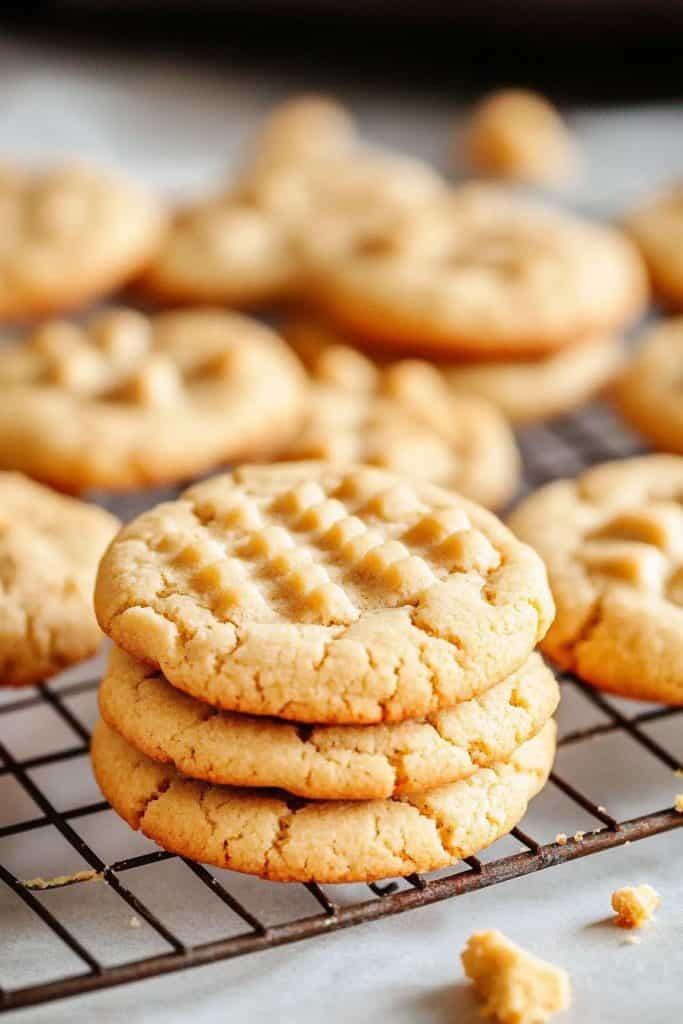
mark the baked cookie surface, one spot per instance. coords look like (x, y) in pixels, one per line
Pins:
(128, 400)
(649, 393)
(223, 250)
(483, 274)
(265, 833)
(524, 391)
(612, 541)
(326, 593)
(69, 235)
(252, 245)
(657, 227)
(463, 445)
(49, 549)
(327, 762)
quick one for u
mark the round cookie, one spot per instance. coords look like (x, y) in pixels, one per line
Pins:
(265, 833)
(612, 541)
(324, 593)
(49, 549)
(657, 228)
(225, 250)
(650, 391)
(68, 236)
(462, 444)
(540, 389)
(480, 274)
(524, 392)
(126, 400)
(328, 762)
(252, 244)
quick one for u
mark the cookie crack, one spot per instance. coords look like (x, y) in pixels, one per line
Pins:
(162, 787)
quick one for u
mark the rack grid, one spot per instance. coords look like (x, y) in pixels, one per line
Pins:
(562, 448)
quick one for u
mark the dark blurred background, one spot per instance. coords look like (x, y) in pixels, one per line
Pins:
(577, 51)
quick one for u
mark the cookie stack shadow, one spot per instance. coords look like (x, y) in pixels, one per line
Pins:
(323, 674)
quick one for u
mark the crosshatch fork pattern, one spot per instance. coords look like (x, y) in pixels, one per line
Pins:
(560, 449)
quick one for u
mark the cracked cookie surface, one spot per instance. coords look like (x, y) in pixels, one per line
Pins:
(127, 400)
(324, 762)
(612, 541)
(649, 393)
(324, 593)
(69, 235)
(49, 549)
(482, 274)
(264, 833)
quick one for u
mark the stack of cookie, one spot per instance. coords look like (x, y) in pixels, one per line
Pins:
(322, 673)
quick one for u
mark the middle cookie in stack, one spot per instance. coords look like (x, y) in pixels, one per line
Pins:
(399, 615)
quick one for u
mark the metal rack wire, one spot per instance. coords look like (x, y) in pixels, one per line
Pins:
(563, 448)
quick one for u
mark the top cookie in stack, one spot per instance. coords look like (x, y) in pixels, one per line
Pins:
(397, 616)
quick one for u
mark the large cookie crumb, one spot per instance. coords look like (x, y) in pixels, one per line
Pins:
(515, 986)
(635, 905)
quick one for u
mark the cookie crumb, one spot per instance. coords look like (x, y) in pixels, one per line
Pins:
(678, 803)
(678, 772)
(61, 880)
(578, 835)
(134, 922)
(515, 986)
(603, 810)
(561, 838)
(631, 940)
(635, 905)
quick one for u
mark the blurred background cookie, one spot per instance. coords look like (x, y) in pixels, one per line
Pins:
(127, 401)
(402, 416)
(525, 391)
(649, 393)
(50, 546)
(482, 274)
(69, 235)
(657, 228)
(518, 134)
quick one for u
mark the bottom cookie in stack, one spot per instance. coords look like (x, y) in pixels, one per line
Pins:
(371, 801)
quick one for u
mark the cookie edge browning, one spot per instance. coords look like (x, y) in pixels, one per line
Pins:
(173, 812)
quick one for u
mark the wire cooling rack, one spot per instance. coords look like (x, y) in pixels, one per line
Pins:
(562, 448)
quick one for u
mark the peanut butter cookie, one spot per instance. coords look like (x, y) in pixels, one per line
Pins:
(327, 593)
(263, 832)
(68, 236)
(328, 762)
(612, 541)
(49, 549)
(482, 274)
(127, 401)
